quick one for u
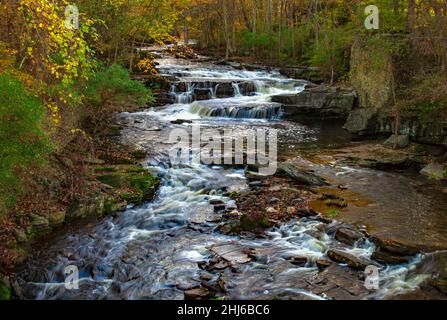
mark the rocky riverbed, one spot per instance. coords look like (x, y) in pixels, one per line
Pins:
(308, 232)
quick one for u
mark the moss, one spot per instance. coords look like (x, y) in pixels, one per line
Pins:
(113, 180)
(139, 155)
(252, 223)
(132, 183)
(105, 169)
(5, 290)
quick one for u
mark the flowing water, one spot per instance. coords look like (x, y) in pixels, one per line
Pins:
(153, 251)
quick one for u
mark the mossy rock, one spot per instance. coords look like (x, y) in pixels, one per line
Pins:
(56, 218)
(111, 179)
(132, 183)
(252, 223)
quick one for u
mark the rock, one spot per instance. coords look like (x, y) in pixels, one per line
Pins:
(339, 283)
(348, 236)
(398, 141)
(219, 208)
(387, 257)
(197, 294)
(321, 101)
(394, 247)
(307, 73)
(361, 121)
(56, 218)
(349, 259)
(435, 171)
(39, 223)
(216, 202)
(180, 121)
(299, 261)
(271, 210)
(274, 200)
(20, 235)
(322, 264)
(292, 210)
(307, 213)
(301, 175)
(434, 267)
(233, 253)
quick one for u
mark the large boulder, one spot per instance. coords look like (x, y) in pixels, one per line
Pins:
(361, 121)
(300, 175)
(399, 141)
(352, 261)
(319, 101)
(435, 170)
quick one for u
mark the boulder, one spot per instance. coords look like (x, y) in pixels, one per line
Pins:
(361, 121)
(394, 247)
(39, 223)
(348, 236)
(301, 175)
(322, 264)
(299, 261)
(56, 218)
(349, 259)
(387, 257)
(400, 141)
(434, 170)
(234, 254)
(434, 267)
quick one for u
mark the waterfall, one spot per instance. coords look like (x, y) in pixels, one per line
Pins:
(237, 90)
(269, 112)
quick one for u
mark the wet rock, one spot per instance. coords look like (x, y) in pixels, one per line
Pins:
(299, 261)
(219, 208)
(301, 175)
(394, 247)
(387, 257)
(398, 141)
(307, 213)
(338, 283)
(434, 267)
(216, 202)
(435, 171)
(197, 294)
(233, 253)
(322, 264)
(348, 236)
(180, 121)
(349, 259)
(321, 101)
(216, 263)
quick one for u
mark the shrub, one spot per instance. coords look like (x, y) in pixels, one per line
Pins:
(23, 143)
(112, 90)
